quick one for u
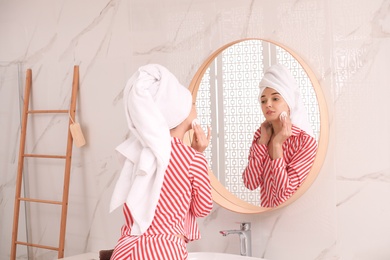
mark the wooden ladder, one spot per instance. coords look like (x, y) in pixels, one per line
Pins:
(22, 155)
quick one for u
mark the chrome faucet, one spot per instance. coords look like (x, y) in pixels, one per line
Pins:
(245, 237)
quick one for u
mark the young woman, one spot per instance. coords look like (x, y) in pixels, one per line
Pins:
(164, 184)
(283, 148)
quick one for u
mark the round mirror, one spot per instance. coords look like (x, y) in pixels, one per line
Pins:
(225, 90)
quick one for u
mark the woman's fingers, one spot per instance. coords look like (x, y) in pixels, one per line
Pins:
(200, 140)
(209, 133)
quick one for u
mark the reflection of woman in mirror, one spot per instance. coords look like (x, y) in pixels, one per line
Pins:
(164, 184)
(283, 148)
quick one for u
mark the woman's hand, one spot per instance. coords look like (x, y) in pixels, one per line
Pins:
(199, 139)
(285, 131)
(266, 133)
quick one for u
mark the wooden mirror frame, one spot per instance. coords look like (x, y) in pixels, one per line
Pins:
(220, 194)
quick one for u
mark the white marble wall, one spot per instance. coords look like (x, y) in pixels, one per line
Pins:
(344, 215)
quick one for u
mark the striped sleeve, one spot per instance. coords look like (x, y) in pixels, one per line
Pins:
(201, 203)
(290, 171)
(252, 176)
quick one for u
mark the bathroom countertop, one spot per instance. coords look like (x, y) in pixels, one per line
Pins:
(86, 256)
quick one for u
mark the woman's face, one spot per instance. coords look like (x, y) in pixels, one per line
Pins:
(193, 115)
(272, 104)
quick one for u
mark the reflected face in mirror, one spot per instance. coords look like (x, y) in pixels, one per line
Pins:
(226, 92)
(273, 105)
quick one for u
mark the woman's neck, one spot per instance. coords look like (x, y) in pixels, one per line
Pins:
(277, 126)
(178, 132)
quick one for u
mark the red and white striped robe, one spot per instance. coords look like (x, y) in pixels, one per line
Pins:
(280, 178)
(185, 195)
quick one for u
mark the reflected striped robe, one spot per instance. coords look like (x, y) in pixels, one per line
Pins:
(185, 195)
(278, 179)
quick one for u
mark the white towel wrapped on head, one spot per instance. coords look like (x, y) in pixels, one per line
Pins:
(155, 102)
(280, 79)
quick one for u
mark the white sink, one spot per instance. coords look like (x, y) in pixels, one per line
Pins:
(191, 256)
(86, 256)
(218, 256)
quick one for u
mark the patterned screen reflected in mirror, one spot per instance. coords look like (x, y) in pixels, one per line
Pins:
(227, 100)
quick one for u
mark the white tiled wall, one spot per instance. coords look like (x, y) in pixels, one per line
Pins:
(344, 215)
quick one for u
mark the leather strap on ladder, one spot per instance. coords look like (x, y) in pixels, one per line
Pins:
(22, 155)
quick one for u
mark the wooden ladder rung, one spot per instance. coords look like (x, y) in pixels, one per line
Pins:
(37, 245)
(41, 201)
(45, 156)
(47, 111)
